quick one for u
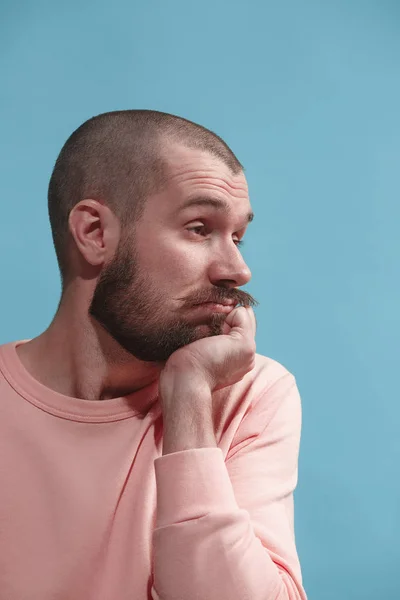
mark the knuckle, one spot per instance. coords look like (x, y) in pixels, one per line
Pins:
(250, 351)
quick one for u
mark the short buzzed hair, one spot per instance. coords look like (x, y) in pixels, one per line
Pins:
(116, 157)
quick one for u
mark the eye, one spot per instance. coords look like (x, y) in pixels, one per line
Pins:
(237, 242)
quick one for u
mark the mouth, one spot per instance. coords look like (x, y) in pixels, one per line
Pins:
(225, 307)
(224, 302)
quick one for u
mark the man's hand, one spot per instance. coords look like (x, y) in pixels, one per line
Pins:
(214, 362)
(196, 370)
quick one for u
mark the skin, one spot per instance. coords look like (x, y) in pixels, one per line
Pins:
(130, 304)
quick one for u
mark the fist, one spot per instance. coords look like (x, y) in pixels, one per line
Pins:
(216, 361)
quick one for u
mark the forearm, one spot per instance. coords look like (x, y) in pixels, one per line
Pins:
(187, 419)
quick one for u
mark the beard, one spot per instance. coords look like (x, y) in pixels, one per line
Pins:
(127, 303)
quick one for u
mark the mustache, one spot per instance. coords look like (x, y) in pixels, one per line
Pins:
(237, 297)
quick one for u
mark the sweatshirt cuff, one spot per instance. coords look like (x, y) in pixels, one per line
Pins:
(190, 484)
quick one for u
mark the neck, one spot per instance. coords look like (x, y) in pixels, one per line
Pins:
(76, 357)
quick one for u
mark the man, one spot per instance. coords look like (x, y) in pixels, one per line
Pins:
(146, 449)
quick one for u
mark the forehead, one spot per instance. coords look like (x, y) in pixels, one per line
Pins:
(197, 175)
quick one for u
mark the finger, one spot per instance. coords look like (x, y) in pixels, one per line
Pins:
(241, 322)
(237, 319)
(253, 320)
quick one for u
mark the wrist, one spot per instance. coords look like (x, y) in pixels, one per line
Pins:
(183, 390)
(188, 420)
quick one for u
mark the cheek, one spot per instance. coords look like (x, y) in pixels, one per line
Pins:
(172, 261)
(185, 262)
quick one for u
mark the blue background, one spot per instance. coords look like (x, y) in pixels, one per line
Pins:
(308, 96)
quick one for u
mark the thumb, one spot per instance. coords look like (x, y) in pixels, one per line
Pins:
(237, 320)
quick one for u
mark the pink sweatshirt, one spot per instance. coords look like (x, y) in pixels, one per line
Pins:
(91, 510)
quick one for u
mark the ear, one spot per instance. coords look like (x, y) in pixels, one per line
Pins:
(95, 230)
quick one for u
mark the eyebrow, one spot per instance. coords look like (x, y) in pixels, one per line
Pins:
(220, 205)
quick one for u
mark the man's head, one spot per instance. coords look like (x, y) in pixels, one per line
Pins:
(121, 221)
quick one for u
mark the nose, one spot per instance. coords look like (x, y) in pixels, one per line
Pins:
(229, 269)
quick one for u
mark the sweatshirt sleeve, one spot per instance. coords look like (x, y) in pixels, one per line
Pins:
(225, 528)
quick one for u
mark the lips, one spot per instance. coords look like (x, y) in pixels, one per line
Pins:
(213, 307)
(223, 302)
